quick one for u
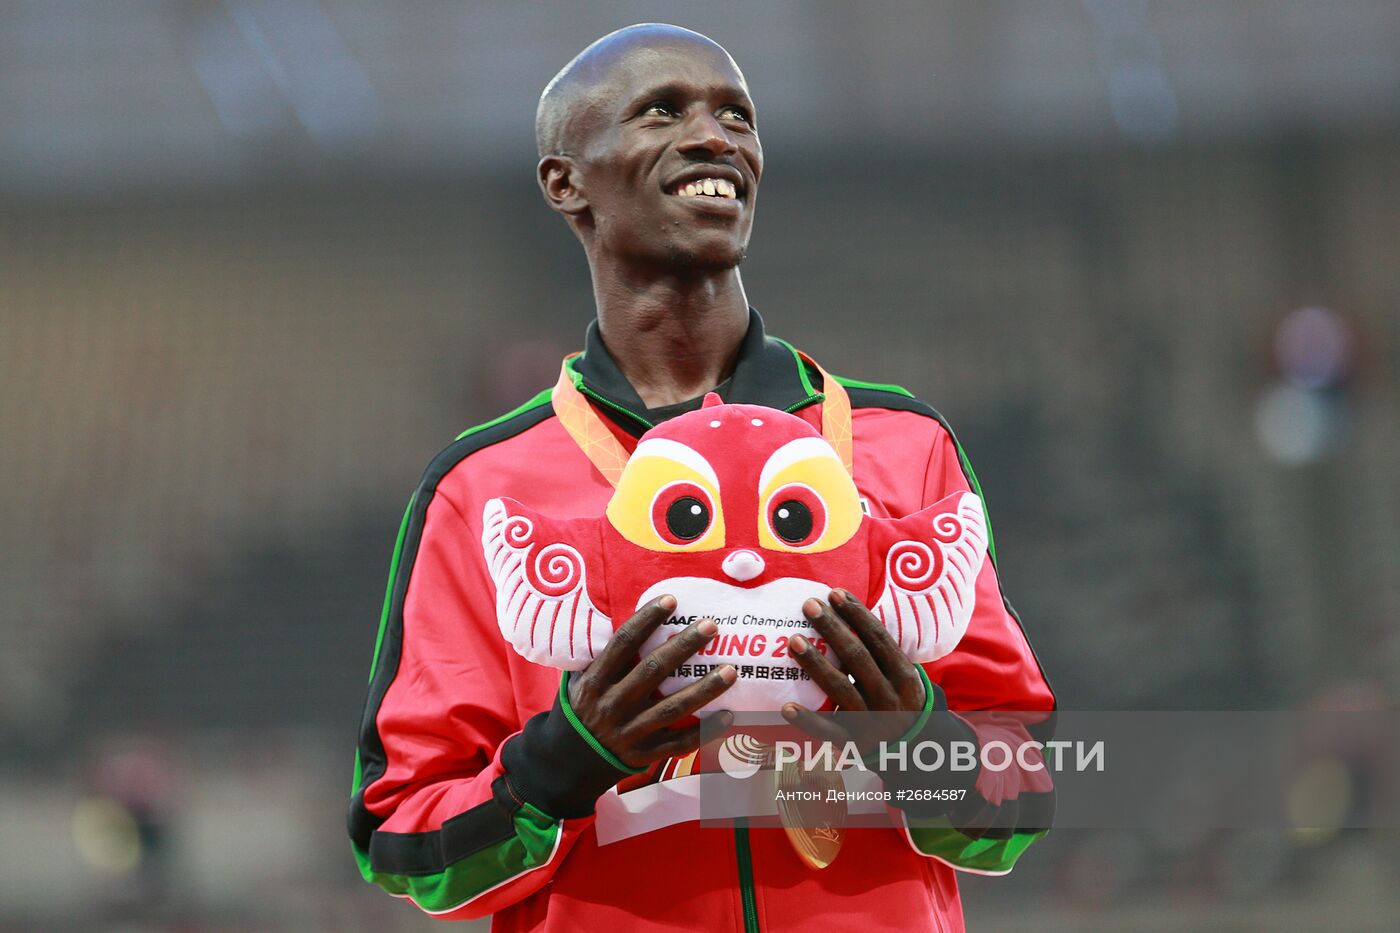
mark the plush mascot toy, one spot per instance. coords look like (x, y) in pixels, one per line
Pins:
(741, 513)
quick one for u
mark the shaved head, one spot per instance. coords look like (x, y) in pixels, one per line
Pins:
(579, 88)
(649, 149)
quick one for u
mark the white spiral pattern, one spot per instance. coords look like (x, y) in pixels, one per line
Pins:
(542, 602)
(556, 570)
(947, 528)
(913, 564)
(519, 530)
(931, 586)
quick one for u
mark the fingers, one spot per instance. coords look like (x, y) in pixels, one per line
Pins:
(685, 701)
(834, 683)
(855, 658)
(815, 724)
(629, 637)
(672, 743)
(898, 669)
(663, 661)
(877, 638)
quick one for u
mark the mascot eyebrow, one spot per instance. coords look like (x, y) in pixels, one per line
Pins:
(804, 448)
(675, 450)
(742, 513)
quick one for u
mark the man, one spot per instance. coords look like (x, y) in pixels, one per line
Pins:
(480, 775)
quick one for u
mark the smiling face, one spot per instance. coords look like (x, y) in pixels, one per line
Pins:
(661, 158)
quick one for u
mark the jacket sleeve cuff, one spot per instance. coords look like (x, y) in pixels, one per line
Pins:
(939, 725)
(557, 766)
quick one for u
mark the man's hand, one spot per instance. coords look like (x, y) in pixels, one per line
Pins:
(885, 680)
(614, 699)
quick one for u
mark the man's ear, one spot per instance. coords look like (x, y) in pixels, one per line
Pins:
(558, 178)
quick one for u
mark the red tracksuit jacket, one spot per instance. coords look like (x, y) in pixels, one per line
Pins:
(467, 795)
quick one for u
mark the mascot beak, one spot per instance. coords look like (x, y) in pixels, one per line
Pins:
(743, 566)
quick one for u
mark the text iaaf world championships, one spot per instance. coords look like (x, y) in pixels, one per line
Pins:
(740, 620)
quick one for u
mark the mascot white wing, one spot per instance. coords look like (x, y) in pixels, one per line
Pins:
(542, 602)
(931, 584)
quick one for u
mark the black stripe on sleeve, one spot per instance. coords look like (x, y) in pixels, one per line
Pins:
(428, 853)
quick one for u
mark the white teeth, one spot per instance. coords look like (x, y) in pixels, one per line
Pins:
(711, 187)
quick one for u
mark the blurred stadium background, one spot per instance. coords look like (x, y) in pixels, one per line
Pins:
(261, 259)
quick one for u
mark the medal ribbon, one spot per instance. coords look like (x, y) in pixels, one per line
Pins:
(608, 456)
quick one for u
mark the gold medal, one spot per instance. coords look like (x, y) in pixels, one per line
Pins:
(815, 825)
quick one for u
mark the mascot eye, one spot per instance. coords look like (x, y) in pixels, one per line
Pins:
(792, 521)
(681, 513)
(668, 499)
(798, 515)
(687, 518)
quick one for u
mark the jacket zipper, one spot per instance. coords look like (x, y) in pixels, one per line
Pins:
(809, 400)
(745, 858)
(615, 407)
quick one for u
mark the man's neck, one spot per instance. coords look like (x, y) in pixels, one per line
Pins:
(673, 338)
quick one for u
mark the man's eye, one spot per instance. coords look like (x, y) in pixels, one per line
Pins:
(736, 112)
(660, 107)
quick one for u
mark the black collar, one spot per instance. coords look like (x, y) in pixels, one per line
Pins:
(767, 372)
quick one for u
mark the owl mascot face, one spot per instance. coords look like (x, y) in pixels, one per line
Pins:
(741, 513)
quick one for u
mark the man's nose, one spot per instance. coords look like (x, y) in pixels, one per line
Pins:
(704, 132)
(743, 565)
